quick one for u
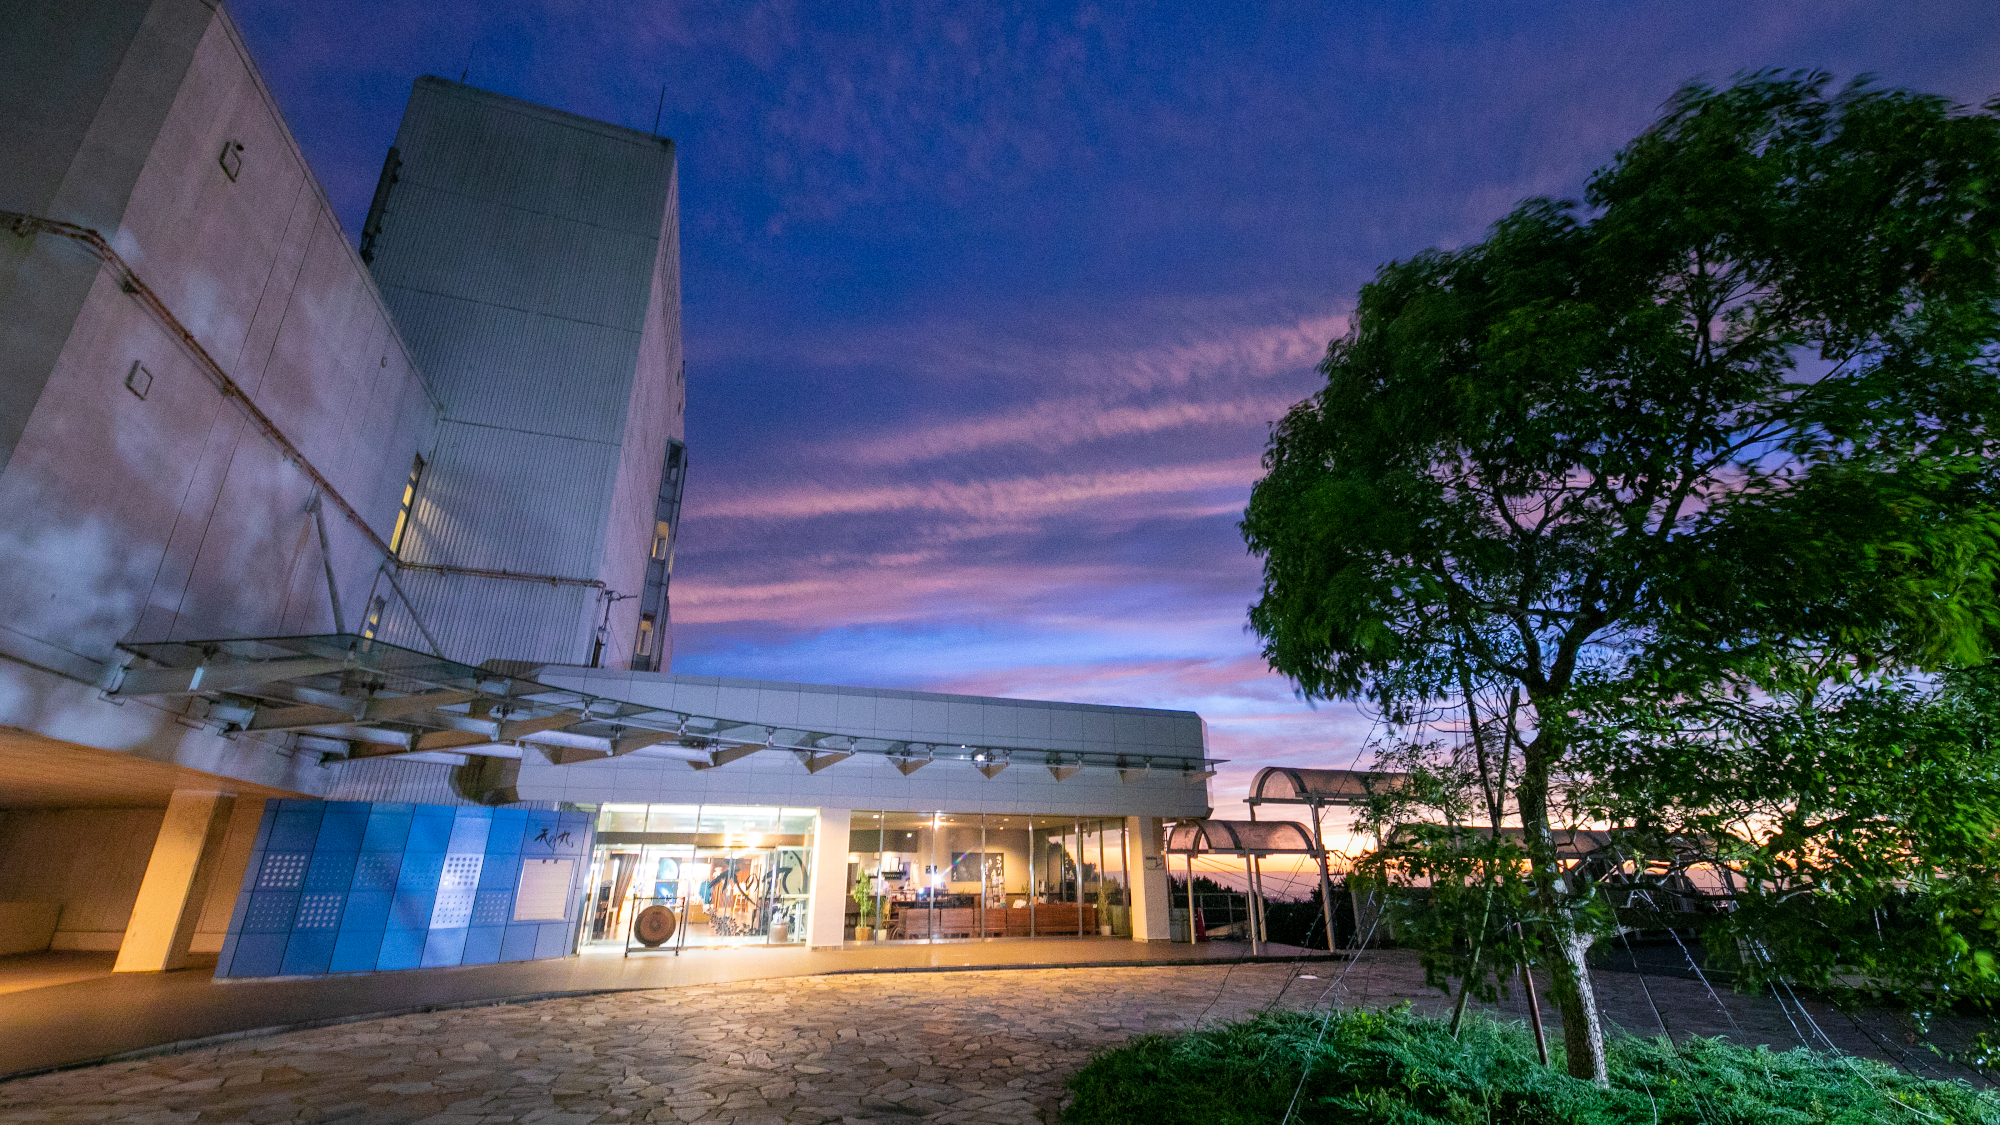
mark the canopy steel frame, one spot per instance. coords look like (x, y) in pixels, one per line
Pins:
(368, 698)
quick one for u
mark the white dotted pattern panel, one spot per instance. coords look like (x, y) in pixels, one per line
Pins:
(283, 871)
(457, 887)
(319, 912)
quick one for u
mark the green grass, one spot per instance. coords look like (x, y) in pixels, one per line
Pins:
(1392, 1066)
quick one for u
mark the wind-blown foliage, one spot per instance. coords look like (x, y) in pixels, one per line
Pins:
(1729, 423)
(1858, 831)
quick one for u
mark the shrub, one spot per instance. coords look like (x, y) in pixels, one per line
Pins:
(1393, 1066)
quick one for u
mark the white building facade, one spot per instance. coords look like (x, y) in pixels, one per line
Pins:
(391, 522)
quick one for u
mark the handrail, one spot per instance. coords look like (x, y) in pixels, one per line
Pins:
(509, 575)
(129, 281)
(24, 225)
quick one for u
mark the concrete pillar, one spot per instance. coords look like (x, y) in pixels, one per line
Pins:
(185, 857)
(1149, 878)
(826, 910)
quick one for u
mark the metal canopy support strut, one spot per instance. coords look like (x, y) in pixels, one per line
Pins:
(326, 559)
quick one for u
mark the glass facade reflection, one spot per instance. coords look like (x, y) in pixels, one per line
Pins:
(962, 876)
(731, 874)
(738, 875)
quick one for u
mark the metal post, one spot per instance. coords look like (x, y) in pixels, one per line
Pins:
(1263, 923)
(1325, 880)
(1250, 915)
(1032, 895)
(881, 887)
(681, 883)
(1190, 887)
(410, 607)
(1077, 862)
(1102, 893)
(772, 893)
(1534, 1009)
(326, 559)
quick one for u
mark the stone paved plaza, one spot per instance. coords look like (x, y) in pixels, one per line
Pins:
(961, 1047)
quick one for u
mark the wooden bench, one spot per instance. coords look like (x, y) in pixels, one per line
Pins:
(1058, 919)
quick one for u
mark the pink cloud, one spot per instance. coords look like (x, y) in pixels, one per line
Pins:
(1145, 350)
(870, 595)
(1054, 424)
(1020, 497)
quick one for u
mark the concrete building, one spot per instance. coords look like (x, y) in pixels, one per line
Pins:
(335, 628)
(532, 259)
(196, 375)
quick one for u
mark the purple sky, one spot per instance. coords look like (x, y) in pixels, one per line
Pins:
(987, 312)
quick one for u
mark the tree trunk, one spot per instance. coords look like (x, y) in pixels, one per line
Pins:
(1569, 977)
(1464, 993)
(1576, 998)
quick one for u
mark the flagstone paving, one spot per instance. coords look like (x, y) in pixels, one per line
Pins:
(962, 1048)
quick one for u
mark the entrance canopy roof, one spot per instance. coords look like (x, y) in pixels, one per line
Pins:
(353, 697)
(1279, 785)
(1240, 837)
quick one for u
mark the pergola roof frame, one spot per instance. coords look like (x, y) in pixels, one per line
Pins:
(1317, 788)
(1250, 840)
(1240, 838)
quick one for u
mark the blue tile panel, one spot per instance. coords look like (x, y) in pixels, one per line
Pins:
(355, 887)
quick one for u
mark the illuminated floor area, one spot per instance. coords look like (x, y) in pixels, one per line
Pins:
(95, 1015)
(973, 1048)
(23, 971)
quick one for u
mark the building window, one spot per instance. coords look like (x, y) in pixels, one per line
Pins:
(645, 646)
(663, 538)
(374, 621)
(409, 502)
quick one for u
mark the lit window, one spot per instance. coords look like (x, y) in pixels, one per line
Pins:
(645, 647)
(663, 539)
(409, 501)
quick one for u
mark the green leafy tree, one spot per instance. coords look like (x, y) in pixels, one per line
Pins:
(1455, 892)
(1855, 830)
(1728, 420)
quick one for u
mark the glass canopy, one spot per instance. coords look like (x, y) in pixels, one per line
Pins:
(362, 697)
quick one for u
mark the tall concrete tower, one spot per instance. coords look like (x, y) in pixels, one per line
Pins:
(531, 258)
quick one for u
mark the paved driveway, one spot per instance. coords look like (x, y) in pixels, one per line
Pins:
(961, 1047)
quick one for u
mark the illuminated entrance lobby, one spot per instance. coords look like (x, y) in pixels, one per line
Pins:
(510, 812)
(731, 875)
(847, 815)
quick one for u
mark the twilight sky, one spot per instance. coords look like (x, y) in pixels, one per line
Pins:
(987, 310)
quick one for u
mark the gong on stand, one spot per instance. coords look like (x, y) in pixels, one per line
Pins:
(652, 928)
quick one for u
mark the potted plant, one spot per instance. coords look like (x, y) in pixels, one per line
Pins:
(1104, 908)
(1121, 912)
(865, 914)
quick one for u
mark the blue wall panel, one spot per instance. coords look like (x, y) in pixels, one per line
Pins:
(347, 886)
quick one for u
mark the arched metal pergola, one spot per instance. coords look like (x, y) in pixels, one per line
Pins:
(1252, 840)
(1283, 785)
(1318, 789)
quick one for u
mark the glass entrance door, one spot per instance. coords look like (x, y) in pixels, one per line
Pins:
(732, 875)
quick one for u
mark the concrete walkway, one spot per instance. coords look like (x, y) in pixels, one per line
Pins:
(67, 1021)
(962, 1048)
